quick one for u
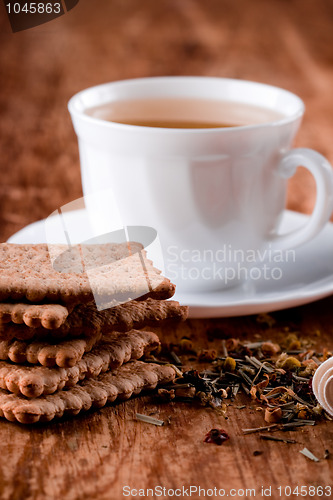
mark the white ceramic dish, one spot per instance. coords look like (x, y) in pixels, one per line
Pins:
(309, 277)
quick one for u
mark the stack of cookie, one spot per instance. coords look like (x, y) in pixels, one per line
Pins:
(60, 351)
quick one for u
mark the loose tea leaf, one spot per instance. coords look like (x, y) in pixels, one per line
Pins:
(175, 358)
(166, 395)
(149, 420)
(307, 453)
(273, 415)
(207, 355)
(258, 429)
(278, 377)
(267, 437)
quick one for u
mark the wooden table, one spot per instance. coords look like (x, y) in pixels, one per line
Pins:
(288, 44)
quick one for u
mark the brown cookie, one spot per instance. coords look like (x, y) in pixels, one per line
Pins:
(79, 274)
(48, 316)
(138, 314)
(130, 379)
(114, 350)
(64, 354)
(10, 331)
(86, 318)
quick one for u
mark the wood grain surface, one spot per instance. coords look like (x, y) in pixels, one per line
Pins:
(285, 43)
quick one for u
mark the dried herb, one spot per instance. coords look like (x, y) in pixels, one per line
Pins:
(216, 436)
(166, 395)
(207, 355)
(207, 391)
(229, 364)
(149, 420)
(307, 453)
(257, 390)
(259, 429)
(270, 349)
(280, 426)
(185, 345)
(278, 377)
(288, 362)
(267, 437)
(175, 358)
(273, 415)
(185, 392)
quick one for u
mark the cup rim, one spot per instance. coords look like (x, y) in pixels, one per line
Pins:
(77, 99)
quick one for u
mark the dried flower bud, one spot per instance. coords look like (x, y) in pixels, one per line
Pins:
(223, 394)
(185, 392)
(295, 345)
(287, 362)
(317, 410)
(165, 395)
(217, 436)
(273, 415)
(270, 349)
(232, 344)
(291, 363)
(310, 366)
(185, 345)
(292, 342)
(303, 414)
(229, 364)
(204, 398)
(207, 355)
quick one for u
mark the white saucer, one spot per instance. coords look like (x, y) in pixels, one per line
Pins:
(308, 278)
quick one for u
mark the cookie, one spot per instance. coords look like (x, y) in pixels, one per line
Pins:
(82, 273)
(48, 316)
(137, 314)
(64, 354)
(114, 350)
(85, 319)
(130, 379)
(10, 331)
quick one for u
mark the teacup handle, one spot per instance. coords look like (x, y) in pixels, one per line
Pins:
(322, 171)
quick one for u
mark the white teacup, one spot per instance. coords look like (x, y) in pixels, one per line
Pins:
(214, 195)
